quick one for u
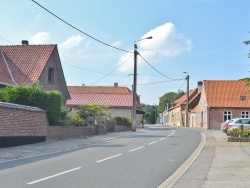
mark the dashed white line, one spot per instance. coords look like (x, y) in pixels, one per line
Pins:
(152, 143)
(108, 158)
(136, 148)
(162, 139)
(33, 182)
(172, 133)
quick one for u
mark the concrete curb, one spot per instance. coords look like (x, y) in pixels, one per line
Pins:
(169, 182)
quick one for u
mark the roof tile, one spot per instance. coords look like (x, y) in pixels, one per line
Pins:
(226, 93)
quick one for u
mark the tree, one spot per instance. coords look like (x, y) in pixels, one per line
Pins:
(93, 110)
(168, 98)
(150, 113)
(247, 43)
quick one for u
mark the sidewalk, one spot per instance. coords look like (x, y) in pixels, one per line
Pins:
(53, 146)
(219, 164)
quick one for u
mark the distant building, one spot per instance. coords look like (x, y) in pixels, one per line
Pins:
(118, 99)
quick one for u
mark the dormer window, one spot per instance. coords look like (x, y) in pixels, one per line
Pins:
(51, 75)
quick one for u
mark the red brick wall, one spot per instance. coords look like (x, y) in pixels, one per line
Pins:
(216, 115)
(22, 122)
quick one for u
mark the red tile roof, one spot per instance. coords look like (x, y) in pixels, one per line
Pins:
(25, 62)
(183, 98)
(226, 93)
(111, 100)
(99, 89)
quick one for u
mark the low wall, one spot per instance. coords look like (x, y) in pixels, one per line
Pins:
(21, 125)
(65, 132)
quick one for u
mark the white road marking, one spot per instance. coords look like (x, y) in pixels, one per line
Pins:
(33, 182)
(152, 143)
(162, 139)
(136, 148)
(172, 133)
(108, 158)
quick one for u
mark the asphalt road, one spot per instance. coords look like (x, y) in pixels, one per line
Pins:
(140, 161)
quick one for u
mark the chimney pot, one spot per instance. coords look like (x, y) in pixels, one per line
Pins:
(115, 84)
(25, 42)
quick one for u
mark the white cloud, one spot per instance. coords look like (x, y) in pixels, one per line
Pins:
(40, 38)
(166, 42)
(71, 42)
(143, 80)
(116, 43)
(38, 17)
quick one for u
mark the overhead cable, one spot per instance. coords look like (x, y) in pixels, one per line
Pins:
(89, 69)
(79, 29)
(157, 70)
(7, 40)
(111, 71)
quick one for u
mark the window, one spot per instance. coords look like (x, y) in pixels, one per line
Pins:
(245, 114)
(242, 98)
(51, 75)
(227, 115)
(70, 109)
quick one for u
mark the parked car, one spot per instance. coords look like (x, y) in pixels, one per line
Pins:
(224, 125)
(237, 122)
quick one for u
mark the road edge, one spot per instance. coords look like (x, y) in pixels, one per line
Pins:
(169, 182)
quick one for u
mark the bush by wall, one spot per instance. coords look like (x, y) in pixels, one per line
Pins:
(37, 97)
(124, 121)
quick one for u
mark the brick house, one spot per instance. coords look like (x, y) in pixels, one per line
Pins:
(221, 100)
(175, 114)
(118, 99)
(26, 64)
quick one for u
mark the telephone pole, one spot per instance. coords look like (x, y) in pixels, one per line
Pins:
(187, 101)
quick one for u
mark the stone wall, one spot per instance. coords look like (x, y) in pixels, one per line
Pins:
(21, 125)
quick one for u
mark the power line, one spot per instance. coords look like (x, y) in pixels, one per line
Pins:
(157, 70)
(79, 29)
(111, 71)
(7, 40)
(89, 69)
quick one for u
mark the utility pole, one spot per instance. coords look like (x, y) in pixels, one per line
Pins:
(133, 127)
(187, 105)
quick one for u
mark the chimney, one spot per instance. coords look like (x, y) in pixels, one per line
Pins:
(83, 84)
(25, 42)
(200, 83)
(115, 84)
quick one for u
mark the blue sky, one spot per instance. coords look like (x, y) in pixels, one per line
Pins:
(202, 37)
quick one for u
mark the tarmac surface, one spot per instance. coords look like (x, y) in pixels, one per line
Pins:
(215, 162)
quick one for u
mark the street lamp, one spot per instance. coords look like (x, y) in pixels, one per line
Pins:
(187, 105)
(133, 127)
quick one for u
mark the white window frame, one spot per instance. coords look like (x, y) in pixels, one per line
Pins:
(244, 114)
(227, 114)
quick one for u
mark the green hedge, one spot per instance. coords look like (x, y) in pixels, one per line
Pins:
(124, 121)
(37, 97)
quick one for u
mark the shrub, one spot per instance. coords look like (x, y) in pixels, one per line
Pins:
(234, 132)
(238, 132)
(37, 97)
(123, 121)
(75, 120)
